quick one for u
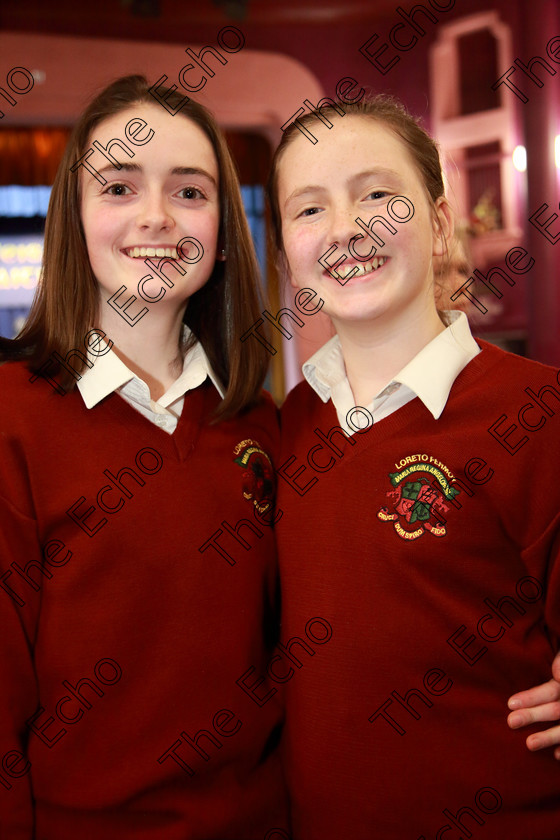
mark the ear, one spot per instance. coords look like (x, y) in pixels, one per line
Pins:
(443, 227)
(284, 267)
(221, 252)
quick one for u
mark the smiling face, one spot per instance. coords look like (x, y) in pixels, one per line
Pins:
(166, 192)
(352, 172)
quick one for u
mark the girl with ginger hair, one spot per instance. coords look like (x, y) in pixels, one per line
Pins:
(414, 521)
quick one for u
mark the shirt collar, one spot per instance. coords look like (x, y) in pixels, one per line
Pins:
(430, 374)
(109, 373)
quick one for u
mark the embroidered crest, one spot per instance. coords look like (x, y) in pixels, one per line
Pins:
(258, 479)
(419, 493)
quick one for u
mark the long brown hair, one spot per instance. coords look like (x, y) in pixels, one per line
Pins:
(384, 109)
(66, 303)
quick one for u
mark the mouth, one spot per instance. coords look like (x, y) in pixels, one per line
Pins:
(364, 269)
(141, 252)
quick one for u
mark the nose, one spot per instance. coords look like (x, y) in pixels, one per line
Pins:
(342, 226)
(154, 212)
(349, 235)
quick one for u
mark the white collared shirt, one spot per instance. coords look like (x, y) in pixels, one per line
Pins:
(429, 375)
(110, 374)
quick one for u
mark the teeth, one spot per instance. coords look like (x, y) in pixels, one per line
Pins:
(367, 267)
(152, 252)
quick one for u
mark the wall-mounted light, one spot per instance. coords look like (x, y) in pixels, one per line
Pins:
(557, 150)
(520, 158)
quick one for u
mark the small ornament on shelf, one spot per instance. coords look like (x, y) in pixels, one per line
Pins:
(485, 216)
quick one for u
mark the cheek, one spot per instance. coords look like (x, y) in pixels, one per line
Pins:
(205, 229)
(415, 237)
(301, 248)
(99, 229)
(302, 253)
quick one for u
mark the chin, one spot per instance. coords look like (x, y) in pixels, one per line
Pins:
(357, 312)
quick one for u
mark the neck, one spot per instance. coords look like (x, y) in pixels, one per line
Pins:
(375, 352)
(151, 346)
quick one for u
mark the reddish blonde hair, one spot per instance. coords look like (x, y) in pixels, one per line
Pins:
(384, 109)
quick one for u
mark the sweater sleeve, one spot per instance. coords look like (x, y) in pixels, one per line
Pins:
(544, 554)
(20, 558)
(552, 609)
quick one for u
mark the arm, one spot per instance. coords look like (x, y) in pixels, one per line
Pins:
(19, 605)
(541, 703)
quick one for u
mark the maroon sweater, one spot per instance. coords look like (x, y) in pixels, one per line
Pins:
(431, 549)
(136, 589)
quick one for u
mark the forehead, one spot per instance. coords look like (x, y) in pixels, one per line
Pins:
(354, 143)
(176, 137)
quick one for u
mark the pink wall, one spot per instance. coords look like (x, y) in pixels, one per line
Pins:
(261, 91)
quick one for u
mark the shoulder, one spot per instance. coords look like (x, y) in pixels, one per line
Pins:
(17, 386)
(502, 376)
(303, 411)
(13, 373)
(514, 405)
(502, 362)
(28, 397)
(265, 411)
(260, 422)
(302, 398)
(506, 396)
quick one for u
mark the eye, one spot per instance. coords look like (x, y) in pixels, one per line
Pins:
(310, 211)
(191, 193)
(376, 194)
(116, 189)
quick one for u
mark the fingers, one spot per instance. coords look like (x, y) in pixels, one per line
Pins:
(556, 667)
(546, 711)
(542, 740)
(548, 692)
(541, 703)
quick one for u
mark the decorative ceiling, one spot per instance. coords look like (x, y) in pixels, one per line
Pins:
(161, 19)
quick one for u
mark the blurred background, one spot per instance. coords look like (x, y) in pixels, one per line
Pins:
(483, 76)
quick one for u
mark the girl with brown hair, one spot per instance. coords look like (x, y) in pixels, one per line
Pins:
(135, 469)
(418, 516)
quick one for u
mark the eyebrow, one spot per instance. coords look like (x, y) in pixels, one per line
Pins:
(177, 170)
(376, 171)
(360, 176)
(310, 188)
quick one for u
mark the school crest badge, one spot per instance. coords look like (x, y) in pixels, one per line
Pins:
(258, 478)
(418, 498)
